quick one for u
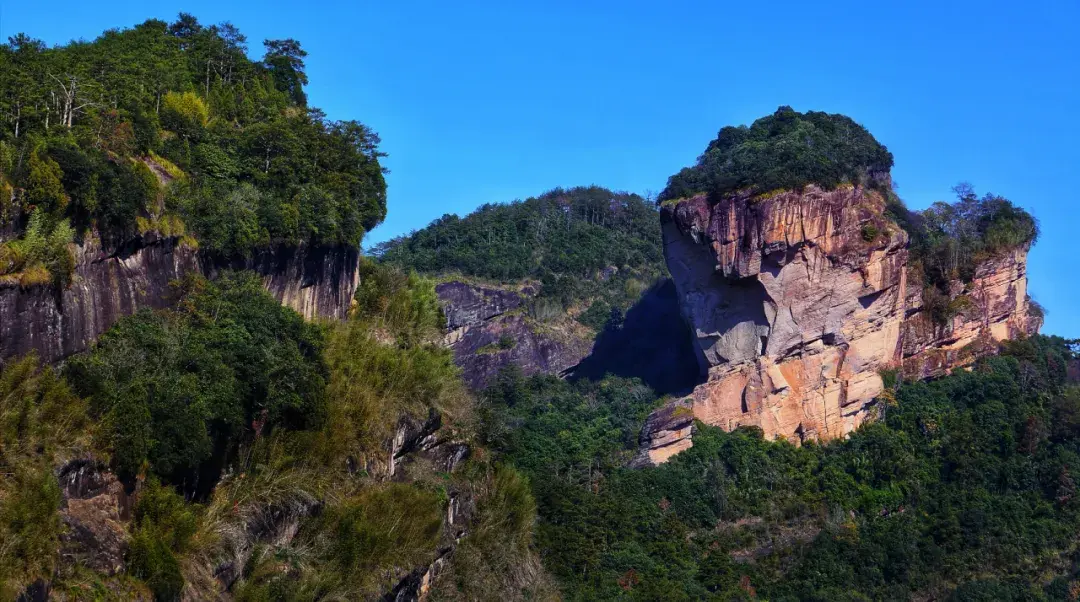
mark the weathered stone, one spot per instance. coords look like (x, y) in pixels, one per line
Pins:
(95, 510)
(110, 284)
(667, 432)
(798, 301)
(488, 328)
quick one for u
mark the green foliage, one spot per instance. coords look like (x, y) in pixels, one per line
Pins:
(187, 93)
(43, 253)
(30, 527)
(163, 527)
(950, 241)
(373, 384)
(382, 527)
(43, 186)
(180, 389)
(41, 422)
(185, 114)
(496, 560)
(567, 239)
(405, 305)
(786, 150)
(964, 478)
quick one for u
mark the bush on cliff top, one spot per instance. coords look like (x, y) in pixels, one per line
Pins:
(786, 150)
(950, 240)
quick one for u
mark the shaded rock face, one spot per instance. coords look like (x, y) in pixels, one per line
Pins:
(651, 343)
(489, 328)
(108, 285)
(995, 307)
(797, 302)
(314, 281)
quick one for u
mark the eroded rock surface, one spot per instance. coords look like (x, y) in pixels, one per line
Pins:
(491, 327)
(109, 284)
(667, 432)
(798, 301)
(95, 510)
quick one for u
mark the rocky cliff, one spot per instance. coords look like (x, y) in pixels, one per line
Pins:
(110, 284)
(490, 327)
(798, 301)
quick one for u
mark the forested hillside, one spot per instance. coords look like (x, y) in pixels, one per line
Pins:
(171, 128)
(585, 246)
(254, 458)
(964, 490)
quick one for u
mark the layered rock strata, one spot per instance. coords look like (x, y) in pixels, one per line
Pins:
(799, 301)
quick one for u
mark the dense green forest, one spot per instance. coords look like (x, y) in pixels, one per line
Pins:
(171, 128)
(963, 491)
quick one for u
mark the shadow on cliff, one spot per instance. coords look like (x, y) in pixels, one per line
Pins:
(652, 342)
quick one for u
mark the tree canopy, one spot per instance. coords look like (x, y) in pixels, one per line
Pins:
(963, 489)
(785, 150)
(171, 127)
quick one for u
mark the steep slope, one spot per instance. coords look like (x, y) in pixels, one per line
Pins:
(802, 301)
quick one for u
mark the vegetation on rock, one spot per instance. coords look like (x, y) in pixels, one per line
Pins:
(786, 150)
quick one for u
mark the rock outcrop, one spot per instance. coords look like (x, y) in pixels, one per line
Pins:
(667, 432)
(109, 284)
(798, 301)
(491, 327)
(95, 510)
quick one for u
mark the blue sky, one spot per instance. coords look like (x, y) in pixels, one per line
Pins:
(485, 101)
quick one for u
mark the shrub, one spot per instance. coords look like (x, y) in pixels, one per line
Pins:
(393, 525)
(869, 232)
(30, 526)
(43, 186)
(163, 527)
(42, 255)
(403, 304)
(373, 385)
(180, 389)
(184, 113)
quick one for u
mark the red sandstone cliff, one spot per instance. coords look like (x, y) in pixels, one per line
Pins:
(798, 302)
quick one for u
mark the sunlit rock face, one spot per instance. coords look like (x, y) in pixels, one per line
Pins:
(798, 301)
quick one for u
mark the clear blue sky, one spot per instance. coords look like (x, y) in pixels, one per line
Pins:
(491, 101)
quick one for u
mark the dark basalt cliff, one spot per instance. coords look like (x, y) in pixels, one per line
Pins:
(107, 285)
